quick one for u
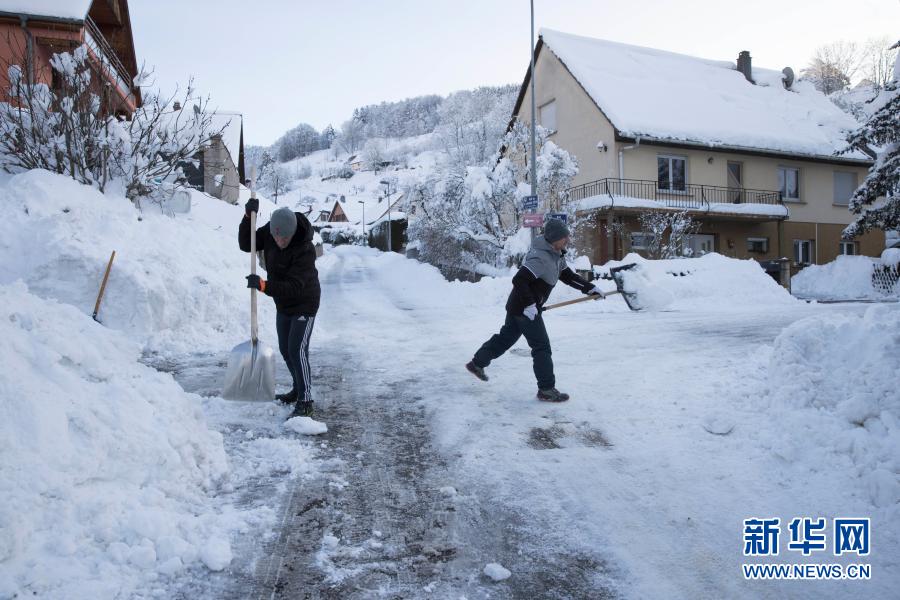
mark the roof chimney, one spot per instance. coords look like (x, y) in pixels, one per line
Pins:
(743, 65)
(176, 105)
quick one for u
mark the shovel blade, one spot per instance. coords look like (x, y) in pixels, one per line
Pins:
(250, 374)
(631, 298)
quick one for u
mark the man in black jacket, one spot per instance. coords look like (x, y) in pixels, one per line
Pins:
(289, 258)
(544, 265)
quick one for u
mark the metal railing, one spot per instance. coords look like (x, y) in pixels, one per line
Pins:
(689, 196)
(105, 54)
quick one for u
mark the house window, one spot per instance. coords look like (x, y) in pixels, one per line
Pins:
(547, 116)
(803, 252)
(845, 184)
(849, 248)
(670, 173)
(789, 183)
(759, 245)
(641, 241)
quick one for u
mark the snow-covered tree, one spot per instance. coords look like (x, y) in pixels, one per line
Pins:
(277, 180)
(326, 139)
(299, 141)
(373, 155)
(350, 138)
(882, 133)
(472, 122)
(471, 215)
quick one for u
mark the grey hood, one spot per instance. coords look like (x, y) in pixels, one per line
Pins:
(544, 261)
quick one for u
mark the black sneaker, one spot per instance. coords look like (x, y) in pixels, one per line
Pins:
(288, 398)
(475, 370)
(303, 409)
(552, 395)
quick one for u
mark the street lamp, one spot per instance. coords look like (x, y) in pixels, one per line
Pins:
(364, 220)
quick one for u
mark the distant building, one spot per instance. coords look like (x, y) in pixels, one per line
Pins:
(219, 167)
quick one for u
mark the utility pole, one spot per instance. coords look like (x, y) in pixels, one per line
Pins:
(533, 121)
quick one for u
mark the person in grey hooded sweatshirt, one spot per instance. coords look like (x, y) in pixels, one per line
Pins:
(544, 265)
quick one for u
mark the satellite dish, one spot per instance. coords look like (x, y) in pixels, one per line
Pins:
(787, 77)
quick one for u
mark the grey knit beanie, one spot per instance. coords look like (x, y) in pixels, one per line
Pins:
(283, 222)
(555, 230)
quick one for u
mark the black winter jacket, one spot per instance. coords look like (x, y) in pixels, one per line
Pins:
(291, 276)
(528, 289)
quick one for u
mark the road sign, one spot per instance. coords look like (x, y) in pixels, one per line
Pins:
(529, 202)
(533, 220)
(561, 216)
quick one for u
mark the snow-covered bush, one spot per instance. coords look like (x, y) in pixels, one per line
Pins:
(70, 129)
(668, 231)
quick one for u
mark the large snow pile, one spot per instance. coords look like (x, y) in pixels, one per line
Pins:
(845, 278)
(106, 465)
(175, 282)
(110, 478)
(841, 371)
(710, 282)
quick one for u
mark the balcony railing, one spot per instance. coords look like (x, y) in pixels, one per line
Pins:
(108, 58)
(689, 197)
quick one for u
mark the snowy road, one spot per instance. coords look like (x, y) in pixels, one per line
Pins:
(426, 475)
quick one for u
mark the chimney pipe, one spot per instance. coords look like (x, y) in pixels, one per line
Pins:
(743, 65)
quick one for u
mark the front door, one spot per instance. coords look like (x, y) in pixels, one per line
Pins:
(699, 244)
(735, 181)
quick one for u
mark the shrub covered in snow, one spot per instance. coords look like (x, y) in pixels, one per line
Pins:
(71, 130)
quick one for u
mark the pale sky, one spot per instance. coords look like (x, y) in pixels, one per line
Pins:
(281, 63)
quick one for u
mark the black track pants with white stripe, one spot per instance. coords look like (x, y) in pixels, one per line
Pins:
(294, 332)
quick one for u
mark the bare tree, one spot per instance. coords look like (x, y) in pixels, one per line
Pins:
(669, 231)
(351, 136)
(833, 66)
(879, 55)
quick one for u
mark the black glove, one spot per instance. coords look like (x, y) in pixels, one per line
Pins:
(254, 281)
(252, 206)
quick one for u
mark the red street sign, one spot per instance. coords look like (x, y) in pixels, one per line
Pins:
(533, 220)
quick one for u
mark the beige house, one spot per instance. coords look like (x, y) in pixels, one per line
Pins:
(749, 152)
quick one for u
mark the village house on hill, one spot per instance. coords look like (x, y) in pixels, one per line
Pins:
(750, 153)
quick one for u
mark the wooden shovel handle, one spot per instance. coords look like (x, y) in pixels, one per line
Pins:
(103, 285)
(577, 300)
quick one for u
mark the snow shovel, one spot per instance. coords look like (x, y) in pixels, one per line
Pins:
(630, 297)
(251, 367)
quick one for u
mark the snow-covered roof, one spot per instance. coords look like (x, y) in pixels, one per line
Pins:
(59, 9)
(661, 95)
(231, 134)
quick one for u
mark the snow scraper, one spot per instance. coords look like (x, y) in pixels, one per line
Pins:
(615, 274)
(251, 366)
